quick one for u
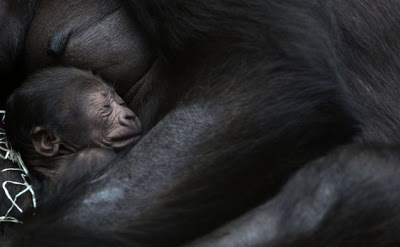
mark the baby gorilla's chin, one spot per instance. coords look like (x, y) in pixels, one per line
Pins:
(126, 130)
(124, 141)
(126, 135)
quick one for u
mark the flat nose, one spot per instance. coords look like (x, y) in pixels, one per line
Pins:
(127, 117)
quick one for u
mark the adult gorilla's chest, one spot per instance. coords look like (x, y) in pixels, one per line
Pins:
(98, 35)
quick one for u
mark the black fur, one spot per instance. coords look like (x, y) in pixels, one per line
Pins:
(254, 91)
(351, 200)
(259, 95)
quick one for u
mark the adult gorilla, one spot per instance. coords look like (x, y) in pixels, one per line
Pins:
(253, 90)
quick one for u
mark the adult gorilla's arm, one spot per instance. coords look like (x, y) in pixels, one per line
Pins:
(346, 203)
(259, 97)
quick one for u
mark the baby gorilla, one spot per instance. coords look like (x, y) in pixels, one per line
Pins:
(65, 122)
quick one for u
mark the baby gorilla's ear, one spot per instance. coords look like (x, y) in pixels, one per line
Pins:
(45, 142)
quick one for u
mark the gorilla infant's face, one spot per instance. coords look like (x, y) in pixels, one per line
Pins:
(112, 123)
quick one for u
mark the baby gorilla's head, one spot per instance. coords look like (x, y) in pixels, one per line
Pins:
(63, 110)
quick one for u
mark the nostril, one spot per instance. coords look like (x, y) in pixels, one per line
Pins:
(127, 119)
(130, 117)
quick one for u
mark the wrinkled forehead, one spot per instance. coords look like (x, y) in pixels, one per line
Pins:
(98, 96)
(89, 94)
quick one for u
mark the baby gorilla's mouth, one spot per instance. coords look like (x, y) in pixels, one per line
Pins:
(128, 141)
(121, 141)
(128, 135)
